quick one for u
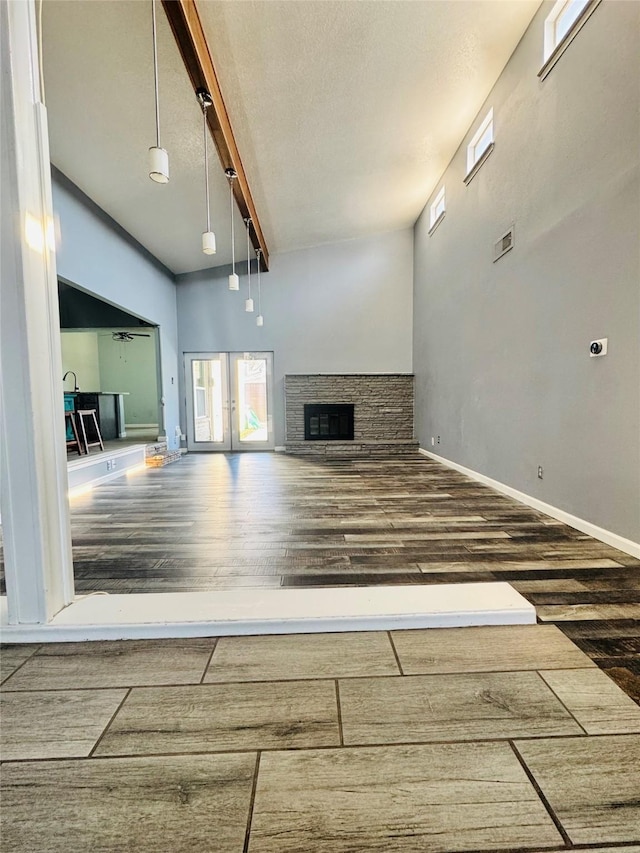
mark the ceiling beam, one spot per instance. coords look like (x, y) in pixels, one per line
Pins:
(189, 35)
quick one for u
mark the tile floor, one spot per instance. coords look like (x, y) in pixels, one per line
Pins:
(477, 739)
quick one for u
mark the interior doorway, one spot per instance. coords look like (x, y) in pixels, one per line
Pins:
(229, 400)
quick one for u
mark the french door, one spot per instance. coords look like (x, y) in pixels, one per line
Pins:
(229, 400)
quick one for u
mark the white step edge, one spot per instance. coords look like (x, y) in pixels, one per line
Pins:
(600, 533)
(277, 611)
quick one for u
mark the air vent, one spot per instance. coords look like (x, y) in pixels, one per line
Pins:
(504, 244)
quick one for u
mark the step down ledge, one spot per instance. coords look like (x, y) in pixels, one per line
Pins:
(277, 611)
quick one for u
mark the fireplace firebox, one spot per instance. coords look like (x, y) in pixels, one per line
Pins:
(328, 422)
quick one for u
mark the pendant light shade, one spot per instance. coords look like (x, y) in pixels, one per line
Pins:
(234, 280)
(208, 237)
(248, 303)
(159, 165)
(209, 243)
(158, 157)
(259, 320)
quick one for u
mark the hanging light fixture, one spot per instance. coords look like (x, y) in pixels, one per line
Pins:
(259, 318)
(234, 281)
(158, 157)
(208, 237)
(248, 303)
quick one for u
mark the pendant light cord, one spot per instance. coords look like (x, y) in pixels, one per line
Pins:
(155, 71)
(249, 254)
(258, 253)
(233, 236)
(206, 163)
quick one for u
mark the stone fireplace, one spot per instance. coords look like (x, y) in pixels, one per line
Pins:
(317, 410)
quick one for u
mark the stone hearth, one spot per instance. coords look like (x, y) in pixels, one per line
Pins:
(383, 412)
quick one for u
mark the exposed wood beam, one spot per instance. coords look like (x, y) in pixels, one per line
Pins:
(189, 35)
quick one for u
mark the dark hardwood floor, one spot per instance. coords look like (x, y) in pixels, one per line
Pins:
(214, 521)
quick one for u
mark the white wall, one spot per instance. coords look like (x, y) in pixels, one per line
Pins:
(344, 307)
(501, 352)
(97, 257)
(80, 354)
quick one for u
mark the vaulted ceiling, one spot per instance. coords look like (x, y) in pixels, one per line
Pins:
(345, 113)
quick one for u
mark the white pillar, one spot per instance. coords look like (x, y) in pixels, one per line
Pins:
(35, 514)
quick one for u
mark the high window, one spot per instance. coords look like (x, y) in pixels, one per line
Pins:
(481, 142)
(561, 22)
(437, 210)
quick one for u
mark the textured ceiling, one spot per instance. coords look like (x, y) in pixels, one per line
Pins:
(345, 113)
(98, 65)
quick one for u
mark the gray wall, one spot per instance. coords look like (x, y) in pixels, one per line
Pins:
(501, 357)
(98, 256)
(339, 308)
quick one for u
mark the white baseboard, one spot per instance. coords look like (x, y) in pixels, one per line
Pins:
(279, 448)
(606, 536)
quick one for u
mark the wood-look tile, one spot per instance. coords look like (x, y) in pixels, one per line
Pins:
(55, 724)
(121, 663)
(573, 612)
(396, 799)
(11, 657)
(486, 649)
(224, 717)
(594, 700)
(451, 707)
(294, 656)
(592, 784)
(185, 804)
(548, 585)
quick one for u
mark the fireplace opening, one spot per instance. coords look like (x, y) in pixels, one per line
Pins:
(328, 422)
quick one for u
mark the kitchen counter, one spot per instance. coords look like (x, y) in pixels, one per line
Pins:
(109, 406)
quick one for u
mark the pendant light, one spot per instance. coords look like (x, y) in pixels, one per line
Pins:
(259, 318)
(234, 281)
(248, 303)
(158, 157)
(208, 237)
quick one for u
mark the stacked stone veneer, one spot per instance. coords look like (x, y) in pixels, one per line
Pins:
(383, 412)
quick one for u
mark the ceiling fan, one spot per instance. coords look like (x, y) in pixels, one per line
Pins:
(128, 336)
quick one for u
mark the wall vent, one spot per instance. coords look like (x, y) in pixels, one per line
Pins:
(504, 244)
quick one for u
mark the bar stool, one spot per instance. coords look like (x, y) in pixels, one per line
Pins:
(72, 443)
(82, 414)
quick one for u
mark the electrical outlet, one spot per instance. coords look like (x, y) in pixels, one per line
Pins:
(438, 439)
(540, 472)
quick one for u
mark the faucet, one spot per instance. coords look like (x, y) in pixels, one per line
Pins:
(75, 379)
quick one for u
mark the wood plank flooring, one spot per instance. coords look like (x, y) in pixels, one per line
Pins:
(219, 521)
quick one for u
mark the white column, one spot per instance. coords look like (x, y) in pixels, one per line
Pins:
(35, 514)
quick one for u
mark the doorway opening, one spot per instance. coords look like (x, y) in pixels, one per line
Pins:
(111, 363)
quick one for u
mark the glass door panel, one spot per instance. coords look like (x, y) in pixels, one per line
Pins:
(251, 402)
(206, 380)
